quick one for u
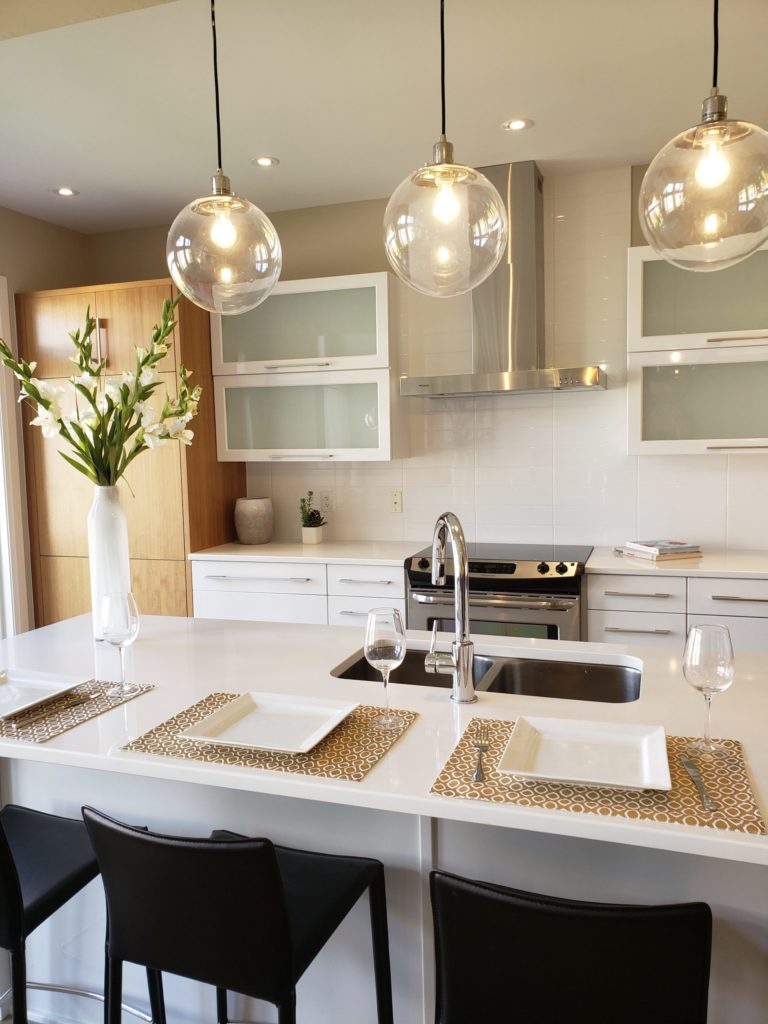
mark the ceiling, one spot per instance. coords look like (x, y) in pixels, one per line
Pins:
(345, 93)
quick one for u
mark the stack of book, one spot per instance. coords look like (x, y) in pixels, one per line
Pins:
(660, 550)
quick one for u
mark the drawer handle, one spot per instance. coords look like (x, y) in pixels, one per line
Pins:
(350, 580)
(344, 612)
(265, 579)
(301, 455)
(287, 366)
(623, 593)
(619, 629)
(731, 597)
(750, 337)
(736, 447)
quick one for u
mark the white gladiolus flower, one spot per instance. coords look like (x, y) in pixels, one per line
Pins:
(112, 390)
(141, 353)
(177, 430)
(149, 416)
(87, 380)
(147, 377)
(101, 403)
(47, 421)
(128, 378)
(154, 435)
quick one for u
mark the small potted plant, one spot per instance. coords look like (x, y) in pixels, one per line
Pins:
(312, 521)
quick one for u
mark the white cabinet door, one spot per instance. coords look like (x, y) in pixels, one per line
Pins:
(328, 323)
(384, 581)
(260, 577)
(353, 611)
(213, 604)
(654, 628)
(670, 308)
(636, 593)
(747, 634)
(305, 417)
(731, 597)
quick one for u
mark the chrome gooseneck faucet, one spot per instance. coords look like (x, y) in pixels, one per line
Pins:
(459, 662)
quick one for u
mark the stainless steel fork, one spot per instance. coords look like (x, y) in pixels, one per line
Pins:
(481, 741)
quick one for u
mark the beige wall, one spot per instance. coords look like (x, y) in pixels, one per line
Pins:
(345, 238)
(36, 255)
(638, 173)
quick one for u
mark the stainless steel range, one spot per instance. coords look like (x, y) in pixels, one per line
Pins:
(525, 590)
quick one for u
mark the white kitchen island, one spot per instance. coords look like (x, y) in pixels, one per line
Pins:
(390, 814)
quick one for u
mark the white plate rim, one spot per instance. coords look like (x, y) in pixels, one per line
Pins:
(60, 683)
(337, 709)
(659, 775)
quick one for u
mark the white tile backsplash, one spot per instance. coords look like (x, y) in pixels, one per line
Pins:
(535, 468)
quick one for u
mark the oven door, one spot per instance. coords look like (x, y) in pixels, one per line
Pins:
(538, 616)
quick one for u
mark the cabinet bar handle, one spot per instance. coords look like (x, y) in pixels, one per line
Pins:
(343, 579)
(99, 325)
(265, 579)
(750, 337)
(623, 593)
(344, 612)
(619, 629)
(738, 447)
(285, 366)
(301, 455)
(731, 597)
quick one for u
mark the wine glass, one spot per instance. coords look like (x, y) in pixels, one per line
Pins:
(385, 650)
(708, 667)
(120, 627)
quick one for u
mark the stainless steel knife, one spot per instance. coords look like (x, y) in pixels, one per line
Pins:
(708, 803)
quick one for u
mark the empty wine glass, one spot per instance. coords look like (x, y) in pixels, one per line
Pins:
(385, 650)
(120, 627)
(708, 667)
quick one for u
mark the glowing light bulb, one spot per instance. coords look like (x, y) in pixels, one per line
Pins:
(711, 223)
(223, 232)
(443, 255)
(446, 206)
(713, 168)
(225, 275)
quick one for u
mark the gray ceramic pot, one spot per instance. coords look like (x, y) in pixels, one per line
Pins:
(253, 520)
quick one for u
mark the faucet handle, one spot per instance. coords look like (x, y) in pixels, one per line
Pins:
(433, 641)
(437, 661)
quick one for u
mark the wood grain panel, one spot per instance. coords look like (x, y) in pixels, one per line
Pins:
(126, 318)
(159, 587)
(44, 323)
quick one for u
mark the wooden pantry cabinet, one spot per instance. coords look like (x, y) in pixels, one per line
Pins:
(177, 499)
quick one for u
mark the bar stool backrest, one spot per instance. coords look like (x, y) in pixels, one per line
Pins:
(503, 954)
(199, 908)
(11, 903)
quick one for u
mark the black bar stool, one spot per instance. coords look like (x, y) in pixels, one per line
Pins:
(243, 915)
(503, 954)
(44, 861)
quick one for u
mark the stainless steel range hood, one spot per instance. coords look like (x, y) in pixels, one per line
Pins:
(508, 309)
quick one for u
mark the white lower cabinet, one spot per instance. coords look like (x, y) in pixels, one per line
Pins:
(658, 630)
(739, 604)
(303, 592)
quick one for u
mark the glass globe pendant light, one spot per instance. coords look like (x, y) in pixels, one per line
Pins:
(704, 198)
(445, 227)
(222, 251)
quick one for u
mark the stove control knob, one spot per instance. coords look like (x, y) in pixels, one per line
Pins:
(561, 568)
(423, 563)
(542, 567)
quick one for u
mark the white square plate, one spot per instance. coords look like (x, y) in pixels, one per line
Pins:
(271, 721)
(588, 753)
(21, 689)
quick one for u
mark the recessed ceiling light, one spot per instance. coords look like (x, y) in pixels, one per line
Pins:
(266, 161)
(65, 190)
(517, 124)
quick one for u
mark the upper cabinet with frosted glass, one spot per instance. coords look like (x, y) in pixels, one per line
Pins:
(323, 324)
(670, 308)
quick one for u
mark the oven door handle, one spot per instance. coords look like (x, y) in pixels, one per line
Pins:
(502, 601)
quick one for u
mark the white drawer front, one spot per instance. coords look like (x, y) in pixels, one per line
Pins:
(707, 596)
(636, 593)
(655, 628)
(353, 611)
(367, 580)
(746, 634)
(303, 608)
(260, 577)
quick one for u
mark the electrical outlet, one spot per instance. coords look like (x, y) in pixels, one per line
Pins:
(326, 502)
(397, 502)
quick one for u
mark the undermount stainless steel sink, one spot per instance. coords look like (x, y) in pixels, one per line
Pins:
(563, 680)
(411, 671)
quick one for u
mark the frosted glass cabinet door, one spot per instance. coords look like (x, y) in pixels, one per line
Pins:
(329, 323)
(672, 308)
(696, 401)
(341, 416)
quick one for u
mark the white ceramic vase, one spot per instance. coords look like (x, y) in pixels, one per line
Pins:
(107, 551)
(311, 534)
(254, 519)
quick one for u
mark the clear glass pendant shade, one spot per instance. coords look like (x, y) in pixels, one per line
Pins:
(224, 254)
(704, 198)
(445, 229)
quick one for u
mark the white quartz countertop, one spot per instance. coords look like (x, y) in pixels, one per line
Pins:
(348, 551)
(741, 564)
(188, 658)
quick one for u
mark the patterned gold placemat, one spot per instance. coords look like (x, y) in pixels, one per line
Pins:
(45, 721)
(725, 777)
(348, 752)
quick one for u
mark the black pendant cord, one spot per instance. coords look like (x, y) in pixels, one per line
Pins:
(216, 81)
(442, 65)
(717, 43)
